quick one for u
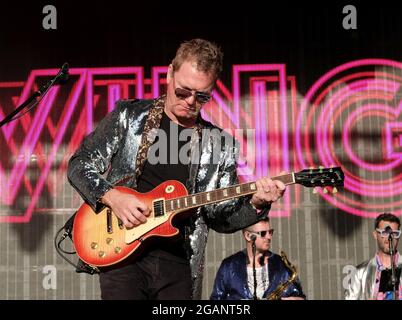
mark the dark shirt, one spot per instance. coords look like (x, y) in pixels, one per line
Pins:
(163, 164)
(155, 173)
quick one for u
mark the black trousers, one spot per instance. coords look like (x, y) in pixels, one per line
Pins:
(150, 278)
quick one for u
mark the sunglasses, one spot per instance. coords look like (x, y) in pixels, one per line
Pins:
(395, 233)
(263, 233)
(200, 97)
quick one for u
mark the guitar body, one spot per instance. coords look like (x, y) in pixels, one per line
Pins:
(101, 241)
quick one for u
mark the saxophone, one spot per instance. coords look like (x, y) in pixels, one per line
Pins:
(277, 293)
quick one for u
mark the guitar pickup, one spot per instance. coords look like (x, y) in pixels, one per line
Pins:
(159, 208)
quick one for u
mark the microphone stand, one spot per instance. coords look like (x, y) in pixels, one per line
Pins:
(393, 273)
(253, 238)
(61, 77)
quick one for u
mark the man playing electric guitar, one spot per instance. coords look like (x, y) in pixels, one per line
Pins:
(129, 148)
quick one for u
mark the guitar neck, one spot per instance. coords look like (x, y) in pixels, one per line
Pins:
(209, 197)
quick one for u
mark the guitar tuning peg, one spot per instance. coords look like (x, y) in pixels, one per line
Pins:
(325, 190)
(321, 167)
(315, 190)
(334, 190)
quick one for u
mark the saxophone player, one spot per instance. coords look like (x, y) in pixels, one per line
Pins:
(237, 278)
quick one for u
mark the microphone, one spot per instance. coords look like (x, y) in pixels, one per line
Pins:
(33, 100)
(60, 78)
(393, 280)
(63, 74)
(388, 230)
(253, 237)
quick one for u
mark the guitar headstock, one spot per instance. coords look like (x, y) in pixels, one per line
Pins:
(321, 177)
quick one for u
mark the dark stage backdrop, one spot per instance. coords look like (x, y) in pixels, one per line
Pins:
(298, 90)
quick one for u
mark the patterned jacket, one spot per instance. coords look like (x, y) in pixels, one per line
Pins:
(363, 281)
(231, 279)
(116, 151)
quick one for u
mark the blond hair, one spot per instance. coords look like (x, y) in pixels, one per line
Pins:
(207, 55)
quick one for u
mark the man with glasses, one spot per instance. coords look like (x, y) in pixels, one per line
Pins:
(238, 279)
(372, 279)
(141, 144)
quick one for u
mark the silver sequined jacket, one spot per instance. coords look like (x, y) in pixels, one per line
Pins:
(115, 152)
(363, 280)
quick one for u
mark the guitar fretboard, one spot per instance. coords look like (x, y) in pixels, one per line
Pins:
(218, 195)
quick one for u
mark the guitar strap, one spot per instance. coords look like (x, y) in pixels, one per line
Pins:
(152, 124)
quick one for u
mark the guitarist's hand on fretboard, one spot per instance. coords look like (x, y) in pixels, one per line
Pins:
(127, 207)
(268, 191)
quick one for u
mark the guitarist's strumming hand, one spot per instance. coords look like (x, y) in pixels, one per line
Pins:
(268, 191)
(131, 211)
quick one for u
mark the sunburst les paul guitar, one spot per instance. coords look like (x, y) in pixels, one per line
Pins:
(102, 240)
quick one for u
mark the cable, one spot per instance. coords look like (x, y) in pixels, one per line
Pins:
(59, 250)
(80, 266)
